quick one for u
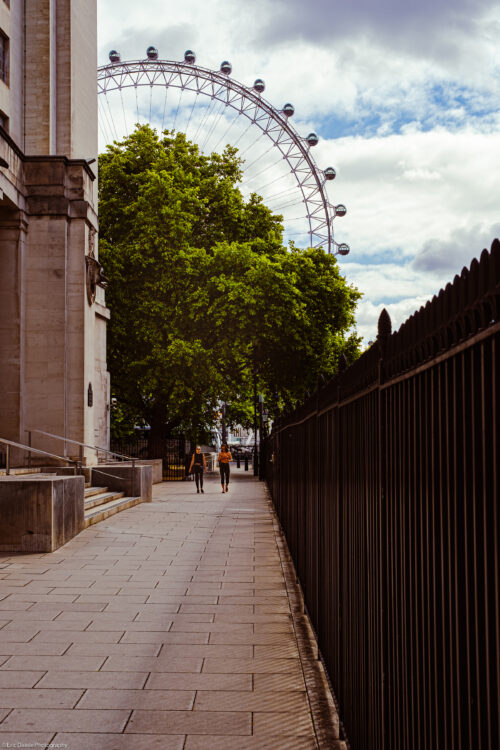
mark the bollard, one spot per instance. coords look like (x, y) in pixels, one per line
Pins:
(238, 462)
(246, 463)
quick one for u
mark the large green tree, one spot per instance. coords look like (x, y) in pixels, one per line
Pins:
(204, 297)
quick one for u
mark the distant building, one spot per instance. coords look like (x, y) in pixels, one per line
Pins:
(240, 436)
(53, 317)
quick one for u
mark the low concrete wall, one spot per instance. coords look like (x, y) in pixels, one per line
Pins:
(155, 463)
(157, 466)
(40, 515)
(118, 477)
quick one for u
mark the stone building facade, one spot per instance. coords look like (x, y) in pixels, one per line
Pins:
(53, 317)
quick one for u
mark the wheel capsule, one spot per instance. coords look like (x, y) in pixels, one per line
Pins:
(330, 173)
(312, 139)
(343, 249)
(152, 53)
(288, 109)
(340, 210)
(189, 56)
(226, 67)
(114, 56)
(259, 85)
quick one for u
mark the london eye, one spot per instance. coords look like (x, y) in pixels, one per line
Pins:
(213, 109)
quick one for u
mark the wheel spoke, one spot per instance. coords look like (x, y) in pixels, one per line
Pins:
(248, 104)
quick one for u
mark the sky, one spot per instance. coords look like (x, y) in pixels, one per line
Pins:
(405, 98)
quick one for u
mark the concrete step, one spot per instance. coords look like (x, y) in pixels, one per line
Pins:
(99, 513)
(90, 491)
(101, 498)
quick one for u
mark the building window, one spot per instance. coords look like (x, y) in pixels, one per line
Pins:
(4, 58)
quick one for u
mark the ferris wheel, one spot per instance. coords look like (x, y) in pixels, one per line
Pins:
(214, 109)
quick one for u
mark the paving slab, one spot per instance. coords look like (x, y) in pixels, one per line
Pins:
(100, 741)
(171, 625)
(38, 698)
(59, 720)
(276, 742)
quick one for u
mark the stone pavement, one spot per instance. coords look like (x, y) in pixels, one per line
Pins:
(174, 625)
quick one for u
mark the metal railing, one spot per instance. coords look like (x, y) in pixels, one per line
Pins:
(81, 447)
(172, 451)
(386, 485)
(132, 446)
(11, 444)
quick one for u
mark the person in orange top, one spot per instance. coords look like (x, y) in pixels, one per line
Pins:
(224, 458)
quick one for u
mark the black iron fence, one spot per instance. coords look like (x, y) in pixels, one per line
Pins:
(386, 485)
(173, 451)
(133, 447)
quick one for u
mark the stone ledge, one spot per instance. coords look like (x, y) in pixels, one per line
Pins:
(102, 311)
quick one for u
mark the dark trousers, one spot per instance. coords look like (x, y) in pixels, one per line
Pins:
(224, 473)
(198, 476)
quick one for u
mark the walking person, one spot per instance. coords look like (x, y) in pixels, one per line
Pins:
(224, 458)
(198, 466)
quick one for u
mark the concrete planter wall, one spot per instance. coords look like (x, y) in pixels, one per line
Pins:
(40, 515)
(119, 478)
(157, 466)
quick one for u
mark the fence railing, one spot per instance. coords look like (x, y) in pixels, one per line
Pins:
(102, 454)
(171, 450)
(386, 485)
(5, 449)
(136, 447)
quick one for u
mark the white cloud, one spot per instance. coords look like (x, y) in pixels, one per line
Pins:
(447, 255)
(436, 30)
(403, 191)
(347, 67)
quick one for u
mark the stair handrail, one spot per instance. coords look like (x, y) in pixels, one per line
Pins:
(82, 445)
(85, 445)
(12, 444)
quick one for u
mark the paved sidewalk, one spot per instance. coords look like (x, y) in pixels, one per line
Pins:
(173, 625)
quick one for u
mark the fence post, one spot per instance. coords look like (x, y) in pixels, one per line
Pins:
(7, 460)
(383, 336)
(29, 452)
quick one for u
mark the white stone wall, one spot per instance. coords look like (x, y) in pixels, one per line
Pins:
(61, 88)
(5, 26)
(39, 80)
(12, 263)
(84, 135)
(102, 393)
(16, 88)
(45, 325)
(52, 341)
